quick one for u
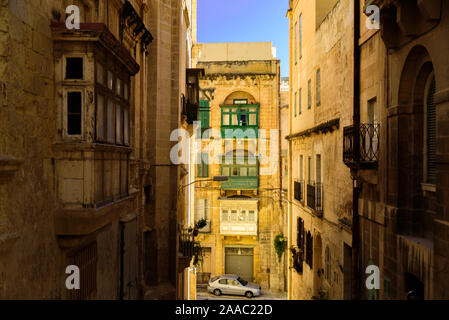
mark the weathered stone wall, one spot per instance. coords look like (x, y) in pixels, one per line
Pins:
(326, 46)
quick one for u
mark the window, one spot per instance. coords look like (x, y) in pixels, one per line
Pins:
(100, 118)
(318, 169)
(203, 165)
(74, 69)
(309, 168)
(296, 101)
(309, 250)
(223, 281)
(300, 36)
(240, 101)
(74, 113)
(224, 215)
(110, 80)
(301, 168)
(110, 122)
(251, 216)
(372, 104)
(86, 260)
(118, 125)
(300, 101)
(296, 42)
(318, 87)
(233, 215)
(246, 167)
(300, 233)
(203, 212)
(309, 94)
(431, 132)
(328, 264)
(100, 74)
(239, 116)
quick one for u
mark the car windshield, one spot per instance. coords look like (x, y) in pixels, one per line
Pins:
(243, 282)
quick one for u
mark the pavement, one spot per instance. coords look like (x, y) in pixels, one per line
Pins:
(266, 295)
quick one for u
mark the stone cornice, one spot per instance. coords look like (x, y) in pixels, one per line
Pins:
(323, 127)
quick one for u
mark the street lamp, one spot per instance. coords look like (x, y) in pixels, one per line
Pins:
(215, 178)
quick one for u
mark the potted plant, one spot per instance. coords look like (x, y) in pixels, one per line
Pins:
(280, 244)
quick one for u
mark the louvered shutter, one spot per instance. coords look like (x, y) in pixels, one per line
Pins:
(431, 133)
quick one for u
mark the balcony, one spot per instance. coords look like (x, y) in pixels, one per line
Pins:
(238, 216)
(368, 154)
(299, 191)
(190, 102)
(186, 248)
(240, 183)
(315, 197)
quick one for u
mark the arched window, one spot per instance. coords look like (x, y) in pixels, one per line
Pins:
(328, 263)
(430, 149)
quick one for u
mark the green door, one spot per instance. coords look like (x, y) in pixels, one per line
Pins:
(240, 261)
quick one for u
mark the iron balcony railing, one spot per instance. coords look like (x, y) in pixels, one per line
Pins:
(315, 196)
(186, 243)
(368, 154)
(299, 190)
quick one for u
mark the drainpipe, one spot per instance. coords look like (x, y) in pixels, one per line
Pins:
(355, 193)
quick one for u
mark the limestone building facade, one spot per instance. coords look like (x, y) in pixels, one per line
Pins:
(403, 198)
(240, 104)
(85, 122)
(320, 185)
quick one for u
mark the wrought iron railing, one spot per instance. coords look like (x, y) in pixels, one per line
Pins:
(315, 196)
(369, 144)
(299, 190)
(186, 243)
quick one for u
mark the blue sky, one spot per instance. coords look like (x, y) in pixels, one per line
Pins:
(245, 21)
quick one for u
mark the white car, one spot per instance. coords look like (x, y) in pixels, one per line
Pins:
(232, 284)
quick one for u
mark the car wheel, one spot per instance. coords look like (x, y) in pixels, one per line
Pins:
(217, 292)
(249, 294)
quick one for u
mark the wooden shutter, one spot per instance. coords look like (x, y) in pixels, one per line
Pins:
(431, 133)
(318, 87)
(318, 168)
(300, 233)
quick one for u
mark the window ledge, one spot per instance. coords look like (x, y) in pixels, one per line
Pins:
(428, 187)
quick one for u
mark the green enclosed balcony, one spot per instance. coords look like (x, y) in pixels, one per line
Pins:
(242, 173)
(239, 121)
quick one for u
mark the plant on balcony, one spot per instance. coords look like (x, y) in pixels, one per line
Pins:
(200, 224)
(280, 243)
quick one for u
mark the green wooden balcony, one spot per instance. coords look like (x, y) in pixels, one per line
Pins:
(241, 183)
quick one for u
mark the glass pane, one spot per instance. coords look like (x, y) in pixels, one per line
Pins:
(252, 119)
(226, 119)
(126, 93)
(100, 74)
(252, 216)
(118, 125)
(111, 122)
(244, 172)
(110, 80)
(253, 172)
(234, 215)
(235, 171)
(74, 68)
(224, 216)
(126, 126)
(74, 106)
(242, 216)
(119, 87)
(234, 121)
(100, 118)
(225, 171)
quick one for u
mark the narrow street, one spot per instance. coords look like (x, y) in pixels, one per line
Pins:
(266, 295)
